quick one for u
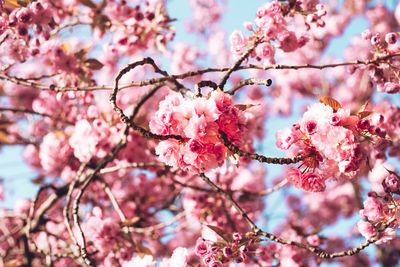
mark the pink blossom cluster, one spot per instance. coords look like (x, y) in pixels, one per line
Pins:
(206, 13)
(198, 121)
(106, 238)
(25, 29)
(234, 248)
(208, 208)
(385, 76)
(271, 26)
(138, 26)
(380, 213)
(184, 57)
(92, 139)
(179, 258)
(332, 141)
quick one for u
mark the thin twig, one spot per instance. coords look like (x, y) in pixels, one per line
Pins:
(250, 81)
(237, 64)
(30, 111)
(153, 81)
(315, 250)
(269, 160)
(124, 118)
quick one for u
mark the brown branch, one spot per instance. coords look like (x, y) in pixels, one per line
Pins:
(237, 64)
(315, 250)
(218, 190)
(93, 174)
(158, 226)
(250, 81)
(204, 83)
(113, 199)
(274, 188)
(30, 111)
(153, 81)
(269, 160)
(143, 165)
(125, 119)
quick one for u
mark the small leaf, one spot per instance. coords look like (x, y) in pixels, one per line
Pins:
(88, 3)
(3, 138)
(234, 158)
(13, 263)
(243, 107)
(363, 114)
(16, 3)
(221, 233)
(4, 124)
(93, 64)
(131, 221)
(38, 179)
(81, 53)
(142, 250)
(329, 101)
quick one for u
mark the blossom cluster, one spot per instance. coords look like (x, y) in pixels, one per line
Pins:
(331, 138)
(234, 248)
(25, 29)
(384, 75)
(271, 25)
(380, 214)
(198, 122)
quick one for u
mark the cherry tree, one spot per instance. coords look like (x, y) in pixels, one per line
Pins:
(151, 151)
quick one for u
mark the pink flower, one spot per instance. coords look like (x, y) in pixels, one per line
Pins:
(83, 141)
(311, 127)
(196, 146)
(202, 248)
(366, 229)
(294, 177)
(169, 152)
(373, 209)
(391, 38)
(198, 127)
(238, 43)
(391, 88)
(288, 41)
(284, 138)
(366, 35)
(386, 236)
(178, 259)
(392, 183)
(312, 182)
(265, 51)
(54, 150)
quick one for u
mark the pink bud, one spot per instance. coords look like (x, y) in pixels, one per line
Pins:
(248, 25)
(366, 35)
(376, 39)
(237, 236)
(391, 38)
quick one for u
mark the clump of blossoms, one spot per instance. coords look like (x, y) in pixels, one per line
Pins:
(231, 248)
(385, 75)
(331, 139)
(271, 26)
(198, 121)
(210, 208)
(106, 237)
(381, 213)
